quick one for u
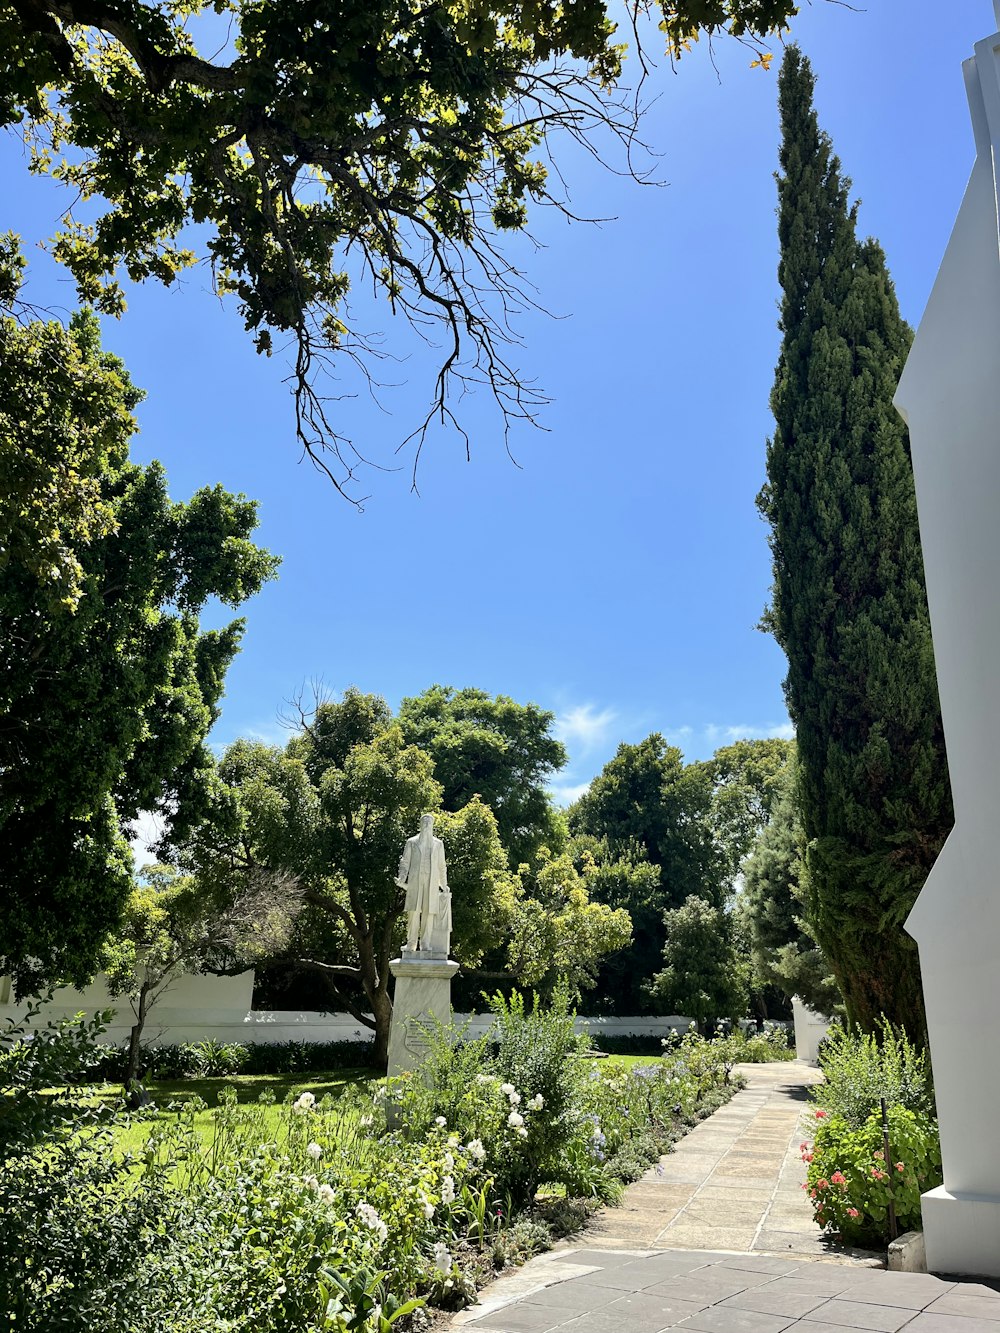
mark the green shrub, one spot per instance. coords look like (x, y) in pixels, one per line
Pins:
(860, 1068)
(851, 1184)
(214, 1059)
(758, 1047)
(627, 1043)
(75, 1222)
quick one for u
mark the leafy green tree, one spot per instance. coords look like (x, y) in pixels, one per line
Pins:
(107, 685)
(647, 799)
(382, 138)
(783, 951)
(849, 606)
(50, 480)
(170, 927)
(493, 748)
(746, 779)
(559, 934)
(650, 815)
(333, 810)
(701, 977)
(625, 882)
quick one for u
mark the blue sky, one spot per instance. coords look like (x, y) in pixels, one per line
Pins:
(617, 574)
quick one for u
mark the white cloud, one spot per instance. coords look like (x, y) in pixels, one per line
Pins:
(725, 735)
(583, 728)
(678, 736)
(565, 793)
(783, 732)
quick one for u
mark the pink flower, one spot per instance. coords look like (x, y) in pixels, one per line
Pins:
(837, 1179)
(853, 1212)
(803, 1147)
(820, 1115)
(807, 1157)
(877, 1174)
(822, 1184)
(900, 1167)
(880, 1155)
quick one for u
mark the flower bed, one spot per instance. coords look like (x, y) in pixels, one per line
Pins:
(851, 1183)
(334, 1213)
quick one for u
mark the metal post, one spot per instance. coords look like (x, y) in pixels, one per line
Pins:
(893, 1228)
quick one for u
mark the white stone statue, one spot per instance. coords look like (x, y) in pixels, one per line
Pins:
(424, 876)
(950, 398)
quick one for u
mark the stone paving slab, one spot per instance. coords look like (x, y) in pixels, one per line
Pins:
(594, 1291)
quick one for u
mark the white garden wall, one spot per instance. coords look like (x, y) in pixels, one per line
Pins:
(197, 1008)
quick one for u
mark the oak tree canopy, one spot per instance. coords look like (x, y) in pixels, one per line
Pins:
(316, 143)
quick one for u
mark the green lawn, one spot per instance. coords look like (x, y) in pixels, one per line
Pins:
(630, 1060)
(169, 1095)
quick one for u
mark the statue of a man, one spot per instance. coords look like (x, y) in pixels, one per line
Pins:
(424, 876)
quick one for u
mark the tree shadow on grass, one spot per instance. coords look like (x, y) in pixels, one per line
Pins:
(248, 1088)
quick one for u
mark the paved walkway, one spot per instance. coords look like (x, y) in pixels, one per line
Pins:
(719, 1238)
(733, 1183)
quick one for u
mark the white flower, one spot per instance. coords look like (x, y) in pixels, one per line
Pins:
(427, 1206)
(448, 1190)
(310, 1182)
(326, 1194)
(305, 1102)
(315, 1151)
(366, 1121)
(513, 1098)
(476, 1150)
(453, 1140)
(506, 1088)
(514, 1120)
(449, 1162)
(536, 1103)
(440, 1122)
(522, 1132)
(367, 1214)
(379, 1094)
(442, 1257)
(484, 1078)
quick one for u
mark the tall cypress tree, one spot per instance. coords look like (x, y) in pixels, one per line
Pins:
(849, 606)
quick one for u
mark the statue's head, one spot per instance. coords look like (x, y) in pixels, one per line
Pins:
(427, 824)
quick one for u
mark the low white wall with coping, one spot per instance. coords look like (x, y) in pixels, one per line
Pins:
(200, 1008)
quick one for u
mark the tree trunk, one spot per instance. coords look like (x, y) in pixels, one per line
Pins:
(382, 1009)
(135, 1037)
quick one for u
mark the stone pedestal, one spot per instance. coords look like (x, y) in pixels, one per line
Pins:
(423, 995)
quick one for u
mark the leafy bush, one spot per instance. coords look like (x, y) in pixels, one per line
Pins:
(627, 1043)
(542, 1113)
(309, 1057)
(213, 1059)
(861, 1068)
(75, 1225)
(758, 1047)
(304, 1231)
(851, 1184)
